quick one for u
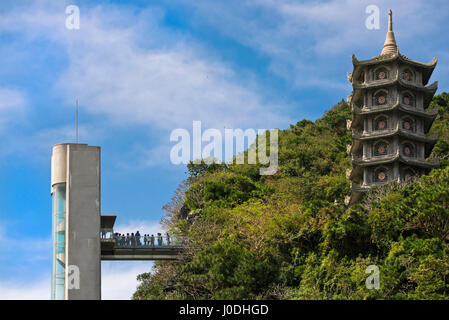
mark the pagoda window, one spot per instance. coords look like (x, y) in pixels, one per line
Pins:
(380, 97)
(408, 150)
(407, 75)
(408, 99)
(381, 73)
(381, 174)
(408, 174)
(408, 124)
(381, 123)
(380, 148)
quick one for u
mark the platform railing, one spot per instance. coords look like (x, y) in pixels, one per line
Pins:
(134, 242)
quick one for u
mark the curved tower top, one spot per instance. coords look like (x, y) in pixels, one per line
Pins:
(390, 46)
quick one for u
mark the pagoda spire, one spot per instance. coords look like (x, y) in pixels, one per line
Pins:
(390, 45)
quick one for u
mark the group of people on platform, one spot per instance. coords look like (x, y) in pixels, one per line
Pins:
(133, 240)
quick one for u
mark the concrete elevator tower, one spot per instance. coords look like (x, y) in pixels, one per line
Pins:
(75, 189)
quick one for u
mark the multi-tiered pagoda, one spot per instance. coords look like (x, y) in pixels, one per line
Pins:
(390, 118)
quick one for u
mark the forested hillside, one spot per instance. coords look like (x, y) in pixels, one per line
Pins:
(291, 236)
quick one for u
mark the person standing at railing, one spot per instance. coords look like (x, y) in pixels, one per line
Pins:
(128, 240)
(152, 240)
(138, 238)
(133, 240)
(159, 239)
(168, 239)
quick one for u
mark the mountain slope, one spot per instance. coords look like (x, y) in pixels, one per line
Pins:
(290, 235)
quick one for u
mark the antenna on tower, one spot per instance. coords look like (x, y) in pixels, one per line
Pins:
(76, 121)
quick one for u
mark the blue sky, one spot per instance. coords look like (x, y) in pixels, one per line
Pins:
(141, 69)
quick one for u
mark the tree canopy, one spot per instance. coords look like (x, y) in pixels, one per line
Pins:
(291, 236)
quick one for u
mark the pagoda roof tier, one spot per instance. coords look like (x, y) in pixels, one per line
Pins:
(428, 91)
(428, 140)
(396, 80)
(360, 113)
(425, 68)
(393, 132)
(358, 190)
(356, 174)
(375, 161)
(392, 57)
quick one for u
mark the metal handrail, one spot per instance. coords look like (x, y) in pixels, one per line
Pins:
(134, 242)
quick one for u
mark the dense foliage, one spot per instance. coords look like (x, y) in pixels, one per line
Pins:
(291, 236)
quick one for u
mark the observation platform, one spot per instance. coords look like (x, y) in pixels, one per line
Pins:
(123, 248)
(111, 252)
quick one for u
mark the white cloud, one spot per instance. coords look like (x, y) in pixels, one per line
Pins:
(305, 40)
(37, 145)
(128, 71)
(119, 278)
(333, 25)
(144, 227)
(338, 25)
(16, 290)
(11, 99)
(12, 105)
(165, 87)
(150, 77)
(118, 282)
(25, 256)
(30, 249)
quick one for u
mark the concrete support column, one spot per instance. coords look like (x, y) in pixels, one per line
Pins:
(78, 166)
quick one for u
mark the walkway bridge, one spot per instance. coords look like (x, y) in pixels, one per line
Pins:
(115, 248)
